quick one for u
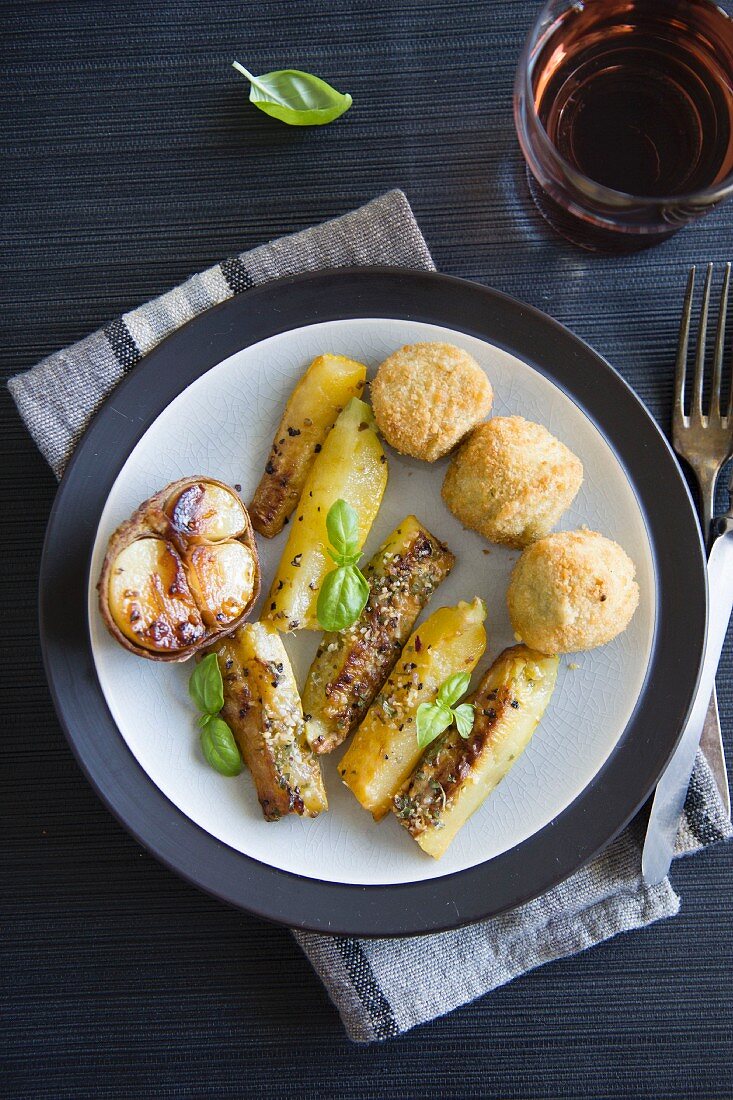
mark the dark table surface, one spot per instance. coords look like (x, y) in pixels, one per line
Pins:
(131, 159)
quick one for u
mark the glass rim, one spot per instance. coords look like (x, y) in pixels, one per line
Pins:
(707, 196)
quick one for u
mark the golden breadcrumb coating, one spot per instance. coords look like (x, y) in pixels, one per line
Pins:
(427, 397)
(572, 590)
(511, 481)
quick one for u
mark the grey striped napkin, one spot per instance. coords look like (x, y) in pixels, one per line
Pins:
(380, 987)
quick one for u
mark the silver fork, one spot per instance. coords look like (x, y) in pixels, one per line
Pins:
(704, 440)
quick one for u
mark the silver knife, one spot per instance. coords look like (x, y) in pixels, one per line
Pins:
(672, 787)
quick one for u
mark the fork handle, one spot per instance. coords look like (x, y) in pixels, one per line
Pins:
(707, 477)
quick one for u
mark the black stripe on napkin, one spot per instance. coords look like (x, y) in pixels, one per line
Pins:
(122, 344)
(365, 984)
(706, 831)
(236, 275)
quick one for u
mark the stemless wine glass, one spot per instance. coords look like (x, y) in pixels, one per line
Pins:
(624, 111)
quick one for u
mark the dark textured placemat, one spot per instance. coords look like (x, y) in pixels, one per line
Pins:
(132, 159)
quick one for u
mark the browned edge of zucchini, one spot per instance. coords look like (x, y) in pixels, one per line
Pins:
(366, 653)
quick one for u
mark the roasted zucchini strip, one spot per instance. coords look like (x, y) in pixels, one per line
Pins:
(324, 390)
(352, 466)
(351, 666)
(262, 709)
(384, 749)
(456, 775)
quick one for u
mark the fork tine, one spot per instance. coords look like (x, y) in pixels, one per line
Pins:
(700, 352)
(719, 341)
(680, 371)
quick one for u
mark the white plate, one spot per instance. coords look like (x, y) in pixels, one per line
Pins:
(223, 425)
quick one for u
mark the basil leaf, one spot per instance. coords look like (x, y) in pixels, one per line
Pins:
(206, 686)
(453, 688)
(342, 598)
(220, 748)
(342, 526)
(431, 720)
(464, 716)
(295, 97)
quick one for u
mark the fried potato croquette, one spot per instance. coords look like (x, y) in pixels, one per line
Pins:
(572, 590)
(427, 398)
(511, 480)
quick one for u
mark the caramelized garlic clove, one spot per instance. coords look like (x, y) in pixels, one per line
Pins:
(150, 600)
(205, 512)
(222, 580)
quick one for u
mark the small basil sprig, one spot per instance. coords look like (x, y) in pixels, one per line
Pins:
(218, 745)
(344, 591)
(434, 718)
(295, 97)
(206, 688)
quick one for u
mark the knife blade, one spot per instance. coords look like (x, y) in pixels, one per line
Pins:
(669, 798)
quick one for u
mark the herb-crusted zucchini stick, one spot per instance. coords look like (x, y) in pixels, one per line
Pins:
(456, 775)
(351, 666)
(384, 749)
(324, 390)
(351, 466)
(262, 708)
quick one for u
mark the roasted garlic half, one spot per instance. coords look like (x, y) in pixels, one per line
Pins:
(181, 572)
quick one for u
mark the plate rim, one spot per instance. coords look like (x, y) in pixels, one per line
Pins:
(515, 876)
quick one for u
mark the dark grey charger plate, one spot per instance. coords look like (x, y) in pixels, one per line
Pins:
(605, 806)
